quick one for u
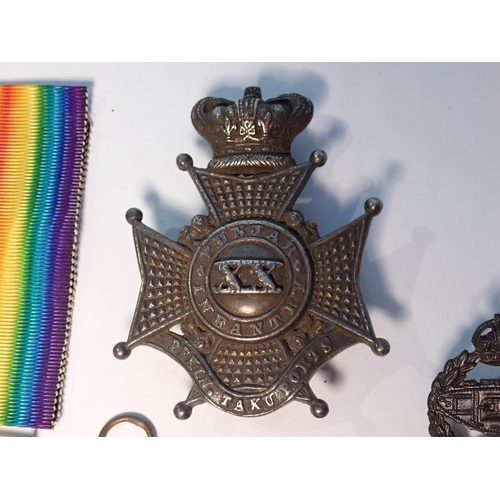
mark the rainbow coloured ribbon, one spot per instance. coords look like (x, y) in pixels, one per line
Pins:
(44, 134)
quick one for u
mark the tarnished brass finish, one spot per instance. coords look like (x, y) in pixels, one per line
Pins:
(131, 419)
(262, 301)
(469, 402)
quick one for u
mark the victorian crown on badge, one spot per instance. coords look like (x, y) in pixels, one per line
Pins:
(261, 299)
(474, 404)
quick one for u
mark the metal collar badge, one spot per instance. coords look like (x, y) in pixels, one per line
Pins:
(473, 404)
(262, 300)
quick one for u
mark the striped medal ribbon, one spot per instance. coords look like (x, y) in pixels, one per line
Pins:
(44, 132)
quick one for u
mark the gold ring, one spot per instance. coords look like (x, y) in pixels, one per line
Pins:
(140, 422)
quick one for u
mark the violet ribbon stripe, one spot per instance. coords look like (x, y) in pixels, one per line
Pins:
(44, 134)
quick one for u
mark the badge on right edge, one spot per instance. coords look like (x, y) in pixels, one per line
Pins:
(468, 402)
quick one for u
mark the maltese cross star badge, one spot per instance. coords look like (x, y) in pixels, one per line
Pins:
(261, 299)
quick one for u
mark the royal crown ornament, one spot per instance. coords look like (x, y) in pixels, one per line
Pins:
(250, 135)
(261, 299)
(468, 402)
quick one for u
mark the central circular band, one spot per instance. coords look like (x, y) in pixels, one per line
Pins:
(250, 280)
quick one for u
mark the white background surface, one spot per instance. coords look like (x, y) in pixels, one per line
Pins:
(422, 137)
